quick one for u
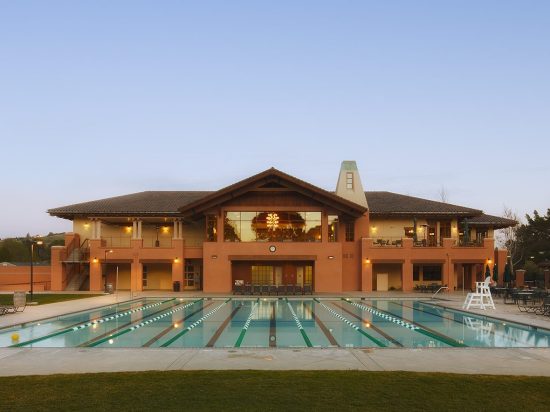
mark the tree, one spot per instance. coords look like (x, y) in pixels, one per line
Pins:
(532, 240)
(508, 238)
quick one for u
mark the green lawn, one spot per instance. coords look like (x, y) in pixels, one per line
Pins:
(43, 298)
(272, 390)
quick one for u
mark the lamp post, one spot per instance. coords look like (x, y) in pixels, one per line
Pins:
(38, 243)
(105, 270)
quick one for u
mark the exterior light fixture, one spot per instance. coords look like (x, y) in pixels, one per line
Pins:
(94, 260)
(165, 229)
(214, 256)
(176, 260)
(331, 257)
(489, 261)
(367, 260)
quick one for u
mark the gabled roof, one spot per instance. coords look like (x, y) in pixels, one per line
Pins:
(388, 203)
(153, 203)
(495, 221)
(269, 178)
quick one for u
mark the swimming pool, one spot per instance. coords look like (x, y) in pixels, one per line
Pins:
(273, 322)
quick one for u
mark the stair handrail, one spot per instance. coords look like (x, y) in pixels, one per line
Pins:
(438, 290)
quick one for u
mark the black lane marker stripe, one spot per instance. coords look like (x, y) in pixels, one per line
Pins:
(321, 325)
(99, 337)
(381, 332)
(169, 328)
(272, 328)
(435, 334)
(222, 327)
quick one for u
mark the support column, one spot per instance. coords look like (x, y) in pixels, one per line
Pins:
(139, 227)
(176, 233)
(177, 271)
(366, 276)
(407, 276)
(95, 275)
(449, 276)
(98, 229)
(136, 275)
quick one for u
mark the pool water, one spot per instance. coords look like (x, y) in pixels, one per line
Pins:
(275, 322)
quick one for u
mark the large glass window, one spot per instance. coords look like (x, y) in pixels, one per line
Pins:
(262, 275)
(332, 228)
(211, 229)
(273, 226)
(350, 231)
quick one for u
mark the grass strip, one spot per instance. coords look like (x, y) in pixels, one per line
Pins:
(45, 298)
(274, 391)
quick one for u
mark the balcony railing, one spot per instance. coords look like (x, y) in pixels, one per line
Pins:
(469, 243)
(126, 242)
(116, 241)
(158, 243)
(388, 242)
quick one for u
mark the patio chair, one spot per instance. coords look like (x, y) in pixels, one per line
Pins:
(19, 303)
(281, 290)
(238, 290)
(256, 289)
(248, 289)
(265, 290)
(298, 289)
(544, 308)
(272, 290)
(307, 289)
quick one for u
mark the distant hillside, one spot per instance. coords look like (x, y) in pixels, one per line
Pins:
(18, 249)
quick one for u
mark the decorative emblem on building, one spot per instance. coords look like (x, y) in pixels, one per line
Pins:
(272, 221)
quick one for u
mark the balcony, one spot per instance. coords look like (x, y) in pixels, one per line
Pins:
(388, 242)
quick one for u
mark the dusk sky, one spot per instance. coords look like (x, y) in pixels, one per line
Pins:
(105, 98)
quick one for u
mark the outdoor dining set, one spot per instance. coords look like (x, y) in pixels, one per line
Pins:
(274, 290)
(535, 300)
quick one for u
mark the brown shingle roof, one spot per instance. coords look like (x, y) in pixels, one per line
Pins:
(394, 203)
(150, 203)
(494, 221)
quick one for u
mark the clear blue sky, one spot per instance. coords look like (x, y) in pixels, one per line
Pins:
(104, 98)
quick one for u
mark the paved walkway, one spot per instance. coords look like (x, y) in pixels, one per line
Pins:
(42, 361)
(46, 361)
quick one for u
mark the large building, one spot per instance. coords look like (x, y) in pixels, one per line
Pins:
(274, 229)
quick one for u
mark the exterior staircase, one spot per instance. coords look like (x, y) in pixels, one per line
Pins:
(78, 268)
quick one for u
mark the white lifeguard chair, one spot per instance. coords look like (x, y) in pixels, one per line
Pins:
(481, 298)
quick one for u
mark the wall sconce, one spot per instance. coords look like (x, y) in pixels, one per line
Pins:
(165, 229)
(86, 225)
(367, 260)
(489, 261)
(331, 257)
(214, 256)
(374, 229)
(177, 260)
(94, 260)
(128, 229)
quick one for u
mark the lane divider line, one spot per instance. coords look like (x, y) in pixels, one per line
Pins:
(91, 323)
(299, 324)
(247, 324)
(193, 325)
(350, 324)
(132, 328)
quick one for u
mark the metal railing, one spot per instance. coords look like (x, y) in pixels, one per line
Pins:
(387, 242)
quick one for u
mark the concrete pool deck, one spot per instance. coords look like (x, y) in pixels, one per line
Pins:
(500, 361)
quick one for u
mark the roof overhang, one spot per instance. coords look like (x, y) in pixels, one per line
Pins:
(272, 175)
